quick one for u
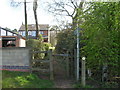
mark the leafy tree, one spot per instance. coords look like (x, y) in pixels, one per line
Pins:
(65, 41)
(14, 30)
(7, 28)
(101, 36)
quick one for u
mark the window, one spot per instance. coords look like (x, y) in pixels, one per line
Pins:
(23, 33)
(29, 33)
(33, 33)
(41, 32)
(9, 34)
(20, 32)
(3, 33)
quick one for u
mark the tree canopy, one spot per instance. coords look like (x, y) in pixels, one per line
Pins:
(101, 35)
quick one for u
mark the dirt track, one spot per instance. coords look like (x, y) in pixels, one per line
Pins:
(62, 82)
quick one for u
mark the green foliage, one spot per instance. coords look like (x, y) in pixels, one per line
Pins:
(78, 85)
(14, 79)
(65, 41)
(100, 35)
(99, 39)
(110, 85)
(15, 30)
(47, 45)
(38, 45)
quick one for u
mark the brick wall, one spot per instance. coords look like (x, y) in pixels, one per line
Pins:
(17, 42)
(45, 32)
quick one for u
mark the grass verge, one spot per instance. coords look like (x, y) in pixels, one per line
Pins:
(78, 85)
(15, 79)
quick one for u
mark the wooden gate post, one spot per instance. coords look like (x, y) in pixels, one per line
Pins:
(83, 72)
(75, 63)
(51, 65)
(30, 60)
(67, 64)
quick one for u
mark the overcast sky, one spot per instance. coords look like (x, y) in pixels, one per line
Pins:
(12, 17)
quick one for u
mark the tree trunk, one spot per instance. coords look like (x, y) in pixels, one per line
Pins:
(35, 15)
(36, 22)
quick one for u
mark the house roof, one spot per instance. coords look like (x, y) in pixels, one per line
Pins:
(13, 33)
(33, 27)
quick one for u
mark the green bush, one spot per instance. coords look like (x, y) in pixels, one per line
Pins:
(109, 85)
(38, 45)
(46, 46)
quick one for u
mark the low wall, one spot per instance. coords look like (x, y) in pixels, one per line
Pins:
(17, 59)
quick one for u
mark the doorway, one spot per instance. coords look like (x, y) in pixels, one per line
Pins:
(8, 41)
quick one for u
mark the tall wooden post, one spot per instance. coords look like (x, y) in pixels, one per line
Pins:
(51, 65)
(26, 29)
(30, 60)
(35, 15)
(83, 72)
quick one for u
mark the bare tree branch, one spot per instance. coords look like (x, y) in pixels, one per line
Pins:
(73, 4)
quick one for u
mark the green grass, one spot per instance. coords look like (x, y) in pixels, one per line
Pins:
(78, 85)
(15, 79)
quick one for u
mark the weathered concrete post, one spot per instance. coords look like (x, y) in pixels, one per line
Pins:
(51, 65)
(78, 54)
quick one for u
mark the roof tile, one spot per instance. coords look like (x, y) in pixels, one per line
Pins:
(33, 27)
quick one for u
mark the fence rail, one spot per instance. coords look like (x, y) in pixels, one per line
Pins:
(42, 70)
(37, 60)
(39, 51)
(49, 61)
(61, 55)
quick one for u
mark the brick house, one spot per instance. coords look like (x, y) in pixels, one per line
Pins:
(43, 30)
(11, 39)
